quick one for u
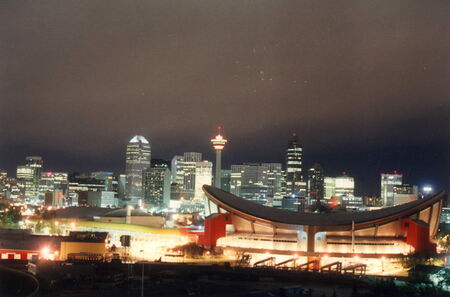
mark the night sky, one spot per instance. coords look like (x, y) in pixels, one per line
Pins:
(365, 84)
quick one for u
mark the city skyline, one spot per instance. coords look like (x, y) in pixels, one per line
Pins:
(358, 188)
(365, 86)
(224, 148)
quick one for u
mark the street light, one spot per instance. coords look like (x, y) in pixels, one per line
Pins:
(427, 190)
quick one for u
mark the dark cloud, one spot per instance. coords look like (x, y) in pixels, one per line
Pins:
(78, 78)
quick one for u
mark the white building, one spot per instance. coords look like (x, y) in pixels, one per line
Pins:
(203, 176)
(177, 170)
(339, 186)
(388, 181)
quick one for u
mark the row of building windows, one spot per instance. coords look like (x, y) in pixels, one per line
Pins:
(362, 243)
(263, 239)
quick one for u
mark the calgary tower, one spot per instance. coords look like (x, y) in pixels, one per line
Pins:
(218, 144)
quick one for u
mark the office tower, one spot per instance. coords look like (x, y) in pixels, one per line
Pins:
(218, 144)
(236, 179)
(177, 180)
(339, 186)
(30, 174)
(203, 176)
(225, 180)
(183, 173)
(316, 185)
(24, 172)
(250, 181)
(36, 163)
(274, 183)
(388, 181)
(190, 160)
(121, 185)
(405, 193)
(137, 159)
(54, 198)
(329, 187)
(157, 185)
(344, 186)
(283, 183)
(177, 170)
(25, 176)
(51, 181)
(295, 186)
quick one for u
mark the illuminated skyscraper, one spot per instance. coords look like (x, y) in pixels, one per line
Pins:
(339, 186)
(190, 160)
(388, 181)
(177, 171)
(218, 144)
(183, 175)
(316, 187)
(31, 175)
(157, 185)
(250, 181)
(226, 178)
(51, 181)
(295, 186)
(137, 159)
(274, 180)
(203, 176)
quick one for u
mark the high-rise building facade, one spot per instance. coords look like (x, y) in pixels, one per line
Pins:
(51, 181)
(137, 159)
(183, 175)
(30, 174)
(329, 187)
(344, 186)
(339, 186)
(257, 182)
(190, 160)
(274, 183)
(225, 180)
(121, 186)
(177, 170)
(316, 186)
(157, 185)
(203, 176)
(36, 163)
(295, 185)
(388, 181)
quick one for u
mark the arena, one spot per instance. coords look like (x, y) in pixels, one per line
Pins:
(379, 235)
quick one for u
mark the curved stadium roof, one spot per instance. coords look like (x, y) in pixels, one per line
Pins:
(240, 206)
